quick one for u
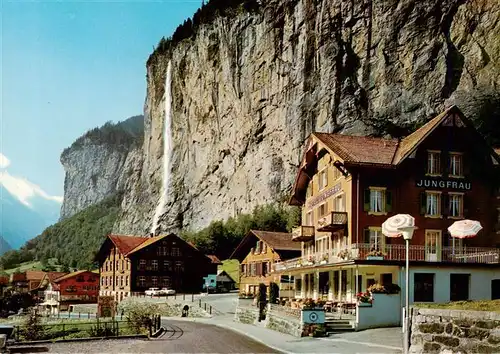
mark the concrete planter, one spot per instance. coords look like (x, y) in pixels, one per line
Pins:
(364, 304)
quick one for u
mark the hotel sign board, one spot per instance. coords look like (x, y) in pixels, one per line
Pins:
(443, 183)
(318, 199)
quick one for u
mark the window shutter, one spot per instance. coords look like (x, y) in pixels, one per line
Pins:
(367, 235)
(466, 166)
(367, 200)
(467, 207)
(388, 201)
(423, 203)
(426, 163)
(445, 205)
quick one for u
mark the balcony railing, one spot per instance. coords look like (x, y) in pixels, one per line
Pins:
(333, 221)
(303, 233)
(363, 251)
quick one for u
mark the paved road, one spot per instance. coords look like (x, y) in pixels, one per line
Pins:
(181, 337)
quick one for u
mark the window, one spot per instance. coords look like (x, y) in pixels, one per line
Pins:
(336, 173)
(154, 281)
(456, 166)
(253, 269)
(434, 163)
(309, 219)
(121, 280)
(102, 281)
(106, 266)
(122, 265)
(423, 287)
(386, 278)
(339, 203)
(166, 266)
(162, 250)
(433, 204)
(154, 264)
(116, 266)
(495, 289)
(459, 287)
(376, 238)
(456, 204)
(264, 268)
(142, 264)
(376, 199)
(141, 281)
(165, 282)
(126, 281)
(175, 252)
(179, 266)
(322, 210)
(323, 178)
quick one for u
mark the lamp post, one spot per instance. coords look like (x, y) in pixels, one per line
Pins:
(407, 233)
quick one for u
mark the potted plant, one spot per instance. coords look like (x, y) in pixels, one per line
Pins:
(375, 255)
(377, 289)
(364, 299)
(344, 254)
(310, 260)
(324, 259)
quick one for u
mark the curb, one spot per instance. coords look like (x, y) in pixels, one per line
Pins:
(87, 339)
(193, 319)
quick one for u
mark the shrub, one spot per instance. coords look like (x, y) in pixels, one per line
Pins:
(33, 329)
(273, 293)
(138, 313)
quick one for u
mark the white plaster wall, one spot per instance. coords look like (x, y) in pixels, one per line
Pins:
(385, 312)
(479, 286)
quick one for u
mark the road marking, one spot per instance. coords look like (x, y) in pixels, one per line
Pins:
(362, 343)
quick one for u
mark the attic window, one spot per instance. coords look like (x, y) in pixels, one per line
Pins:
(323, 179)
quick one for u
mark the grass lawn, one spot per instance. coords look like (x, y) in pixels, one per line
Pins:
(232, 267)
(484, 305)
(36, 265)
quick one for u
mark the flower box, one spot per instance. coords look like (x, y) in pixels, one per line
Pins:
(375, 258)
(364, 304)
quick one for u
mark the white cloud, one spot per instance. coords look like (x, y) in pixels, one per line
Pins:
(23, 189)
(4, 161)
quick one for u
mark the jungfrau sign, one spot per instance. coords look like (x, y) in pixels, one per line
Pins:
(444, 184)
(318, 199)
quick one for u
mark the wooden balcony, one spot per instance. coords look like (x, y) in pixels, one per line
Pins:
(303, 233)
(334, 221)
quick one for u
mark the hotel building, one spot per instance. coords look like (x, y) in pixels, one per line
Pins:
(348, 186)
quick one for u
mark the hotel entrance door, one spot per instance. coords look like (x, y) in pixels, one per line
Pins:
(433, 245)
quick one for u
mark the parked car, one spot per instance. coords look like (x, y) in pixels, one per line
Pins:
(153, 292)
(167, 291)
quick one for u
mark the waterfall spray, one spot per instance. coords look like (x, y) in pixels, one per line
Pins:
(167, 149)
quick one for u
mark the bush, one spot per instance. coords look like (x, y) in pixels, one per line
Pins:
(138, 313)
(273, 293)
(33, 329)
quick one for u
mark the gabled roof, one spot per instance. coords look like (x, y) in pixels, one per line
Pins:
(72, 275)
(277, 241)
(125, 244)
(409, 143)
(34, 274)
(360, 149)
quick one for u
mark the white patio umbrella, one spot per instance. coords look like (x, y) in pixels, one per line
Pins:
(392, 227)
(396, 226)
(464, 229)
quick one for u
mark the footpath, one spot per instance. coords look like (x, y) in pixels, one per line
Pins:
(383, 340)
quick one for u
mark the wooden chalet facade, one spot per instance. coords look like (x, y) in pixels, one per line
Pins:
(349, 185)
(130, 264)
(258, 252)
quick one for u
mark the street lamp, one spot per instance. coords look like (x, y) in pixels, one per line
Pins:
(407, 233)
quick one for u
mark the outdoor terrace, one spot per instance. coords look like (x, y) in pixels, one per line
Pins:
(363, 251)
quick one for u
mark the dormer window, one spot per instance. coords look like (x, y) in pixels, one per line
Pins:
(323, 179)
(456, 165)
(434, 163)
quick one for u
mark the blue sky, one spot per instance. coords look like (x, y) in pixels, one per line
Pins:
(70, 66)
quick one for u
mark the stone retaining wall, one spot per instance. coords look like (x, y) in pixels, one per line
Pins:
(453, 331)
(274, 321)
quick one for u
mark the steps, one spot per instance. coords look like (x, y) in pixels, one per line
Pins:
(334, 326)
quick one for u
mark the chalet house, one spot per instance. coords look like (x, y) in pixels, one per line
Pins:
(348, 186)
(26, 281)
(46, 281)
(258, 252)
(131, 264)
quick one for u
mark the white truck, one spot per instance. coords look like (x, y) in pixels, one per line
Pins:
(153, 292)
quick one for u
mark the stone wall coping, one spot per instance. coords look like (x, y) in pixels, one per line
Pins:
(483, 315)
(285, 318)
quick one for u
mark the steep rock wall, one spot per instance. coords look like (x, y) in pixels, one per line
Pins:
(247, 91)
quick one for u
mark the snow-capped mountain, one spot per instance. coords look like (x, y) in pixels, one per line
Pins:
(25, 209)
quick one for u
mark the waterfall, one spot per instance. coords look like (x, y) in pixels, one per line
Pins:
(167, 149)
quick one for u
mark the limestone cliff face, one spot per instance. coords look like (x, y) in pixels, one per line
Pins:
(247, 91)
(99, 164)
